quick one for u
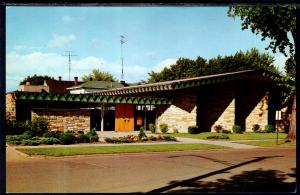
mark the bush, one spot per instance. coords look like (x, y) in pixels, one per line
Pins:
(237, 129)
(67, 138)
(163, 128)
(269, 129)
(193, 130)
(152, 127)
(255, 127)
(14, 127)
(82, 138)
(142, 134)
(27, 135)
(226, 131)
(217, 137)
(39, 126)
(218, 128)
(152, 138)
(49, 140)
(93, 131)
(92, 137)
(169, 138)
(13, 138)
(31, 142)
(112, 140)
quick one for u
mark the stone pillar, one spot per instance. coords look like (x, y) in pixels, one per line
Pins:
(102, 118)
(10, 106)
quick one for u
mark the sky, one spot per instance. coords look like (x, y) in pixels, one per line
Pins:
(37, 39)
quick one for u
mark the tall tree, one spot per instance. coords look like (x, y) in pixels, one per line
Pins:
(187, 68)
(98, 75)
(36, 79)
(275, 23)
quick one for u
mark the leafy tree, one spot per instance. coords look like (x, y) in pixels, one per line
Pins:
(98, 75)
(187, 68)
(275, 23)
(36, 79)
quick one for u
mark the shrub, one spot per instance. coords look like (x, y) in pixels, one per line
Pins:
(49, 140)
(39, 126)
(92, 137)
(269, 129)
(218, 128)
(163, 128)
(255, 127)
(142, 134)
(126, 139)
(226, 131)
(31, 142)
(237, 129)
(27, 135)
(152, 138)
(14, 127)
(169, 138)
(193, 130)
(13, 138)
(67, 138)
(112, 140)
(82, 138)
(47, 134)
(93, 131)
(217, 137)
(152, 127)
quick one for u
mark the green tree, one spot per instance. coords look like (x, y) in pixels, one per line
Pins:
(275, 23)
(187, 68)
(36, 79)
(98, 75)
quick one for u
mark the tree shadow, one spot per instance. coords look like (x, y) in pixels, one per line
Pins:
(258, 180)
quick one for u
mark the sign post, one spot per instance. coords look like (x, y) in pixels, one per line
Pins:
(278, 117)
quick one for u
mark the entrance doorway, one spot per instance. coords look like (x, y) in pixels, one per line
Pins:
(144, 114)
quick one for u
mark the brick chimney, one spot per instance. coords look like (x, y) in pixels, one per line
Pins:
(59, 78)
(27, 83)
(75, 80)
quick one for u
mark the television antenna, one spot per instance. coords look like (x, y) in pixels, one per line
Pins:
(69, 55)
(122, 42)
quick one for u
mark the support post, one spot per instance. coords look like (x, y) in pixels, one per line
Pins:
(102, 118)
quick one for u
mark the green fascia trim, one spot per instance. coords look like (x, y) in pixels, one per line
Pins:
(23, 97)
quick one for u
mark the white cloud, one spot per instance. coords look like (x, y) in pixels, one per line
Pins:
(165, 63)
(61, 40)
(280, 61)
(25, 47)
(67, 19)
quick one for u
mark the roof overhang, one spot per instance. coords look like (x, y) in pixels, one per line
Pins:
(88, 98)
(186, 83)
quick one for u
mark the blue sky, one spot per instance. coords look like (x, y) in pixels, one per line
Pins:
(155, 37)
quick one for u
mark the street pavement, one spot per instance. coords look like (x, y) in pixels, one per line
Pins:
(230, 170)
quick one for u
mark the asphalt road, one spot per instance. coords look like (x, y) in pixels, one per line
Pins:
(234, 170)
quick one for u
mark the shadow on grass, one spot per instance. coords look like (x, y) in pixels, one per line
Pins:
(248, 181)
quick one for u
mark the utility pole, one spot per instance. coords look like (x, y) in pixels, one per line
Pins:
(122, 42)
(68, 54)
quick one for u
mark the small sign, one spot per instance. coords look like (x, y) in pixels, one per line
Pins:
(278, 115)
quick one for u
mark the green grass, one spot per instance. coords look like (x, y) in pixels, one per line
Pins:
(244, 136)
(68, 151)
(281, 143)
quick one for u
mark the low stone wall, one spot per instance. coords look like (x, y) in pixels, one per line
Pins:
(65, 120)
(10, 107)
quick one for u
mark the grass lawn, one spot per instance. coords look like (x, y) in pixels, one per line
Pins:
(272, 143)
(232, 136)
(68, 151)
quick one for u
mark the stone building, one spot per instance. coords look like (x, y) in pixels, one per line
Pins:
(240, 98)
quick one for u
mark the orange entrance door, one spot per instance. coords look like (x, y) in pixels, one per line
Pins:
(124, 117)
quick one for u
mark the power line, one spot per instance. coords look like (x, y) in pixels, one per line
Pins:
(68, 54)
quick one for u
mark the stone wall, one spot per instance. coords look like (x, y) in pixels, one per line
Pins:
(216, 106)
(10, 107)
(65, 120)
(180, 115)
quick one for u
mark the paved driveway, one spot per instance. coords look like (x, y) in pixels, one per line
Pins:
(209, 171)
